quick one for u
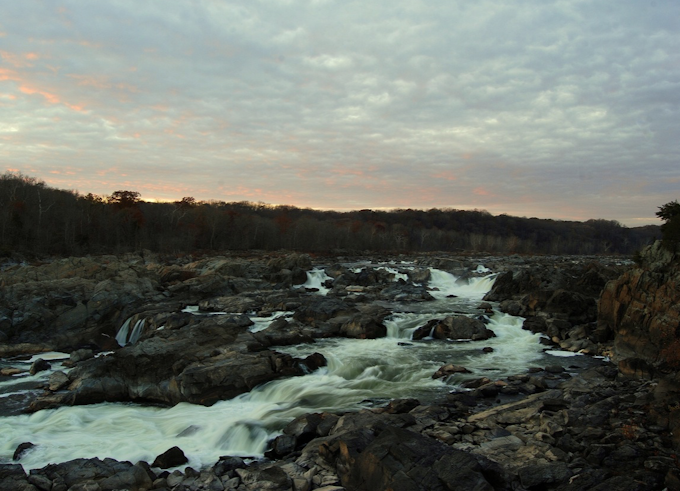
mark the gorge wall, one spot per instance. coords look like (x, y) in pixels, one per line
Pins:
(642, 308)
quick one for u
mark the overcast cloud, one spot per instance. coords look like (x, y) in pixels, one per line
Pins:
(566, 109)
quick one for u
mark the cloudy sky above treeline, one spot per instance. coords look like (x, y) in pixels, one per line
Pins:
(565, 109)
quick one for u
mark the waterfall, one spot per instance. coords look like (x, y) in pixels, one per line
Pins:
(316, 278)
(448, 284)
(122, 337)
(137, 331)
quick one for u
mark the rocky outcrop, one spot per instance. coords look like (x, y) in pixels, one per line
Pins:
(461, 327)
(70, 302)
(558, 297)
(213, 359)
(591, 431)
(64, 304)
(642, 308)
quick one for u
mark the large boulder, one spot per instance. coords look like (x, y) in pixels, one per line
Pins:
(461, 327)
(107, 474)
(510, 284)
(399, 459)
(316, 309)
(202, 363)
(367, 324)
(173, 457)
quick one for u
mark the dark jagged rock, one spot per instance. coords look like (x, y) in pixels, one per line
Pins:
(98, 474)
(406, 292)
(363, 327)
(39, 365)
(284, 333)
(542, 475)
(403, 460)
(425, 331)
(281, 446)
(401, 406)
(80, 355)
(319, 309)
(13, 478)
(22, 449)
(208, 361)
(642, 308)
(227, 465)
(264, 477)
(172, 457)
(448, 370)
(461, 327)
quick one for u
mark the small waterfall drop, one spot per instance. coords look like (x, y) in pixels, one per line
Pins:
(125, 337)
(316, 279)
(137, 331)
(122, 335)
(448, 284)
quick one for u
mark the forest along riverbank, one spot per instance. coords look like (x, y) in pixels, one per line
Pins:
(344, 336)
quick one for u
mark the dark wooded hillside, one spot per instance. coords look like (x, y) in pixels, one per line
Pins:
(38, 219)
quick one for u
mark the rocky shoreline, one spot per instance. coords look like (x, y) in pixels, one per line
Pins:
(602, 428)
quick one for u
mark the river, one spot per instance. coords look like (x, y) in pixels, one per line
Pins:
(360, 374)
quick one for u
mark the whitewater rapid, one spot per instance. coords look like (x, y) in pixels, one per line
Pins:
(360, 373)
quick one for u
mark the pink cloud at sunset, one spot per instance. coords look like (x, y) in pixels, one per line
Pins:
(332, 106)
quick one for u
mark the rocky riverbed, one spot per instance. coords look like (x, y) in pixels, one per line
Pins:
(563, 425)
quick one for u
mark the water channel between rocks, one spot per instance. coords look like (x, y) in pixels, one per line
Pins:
(360, 373)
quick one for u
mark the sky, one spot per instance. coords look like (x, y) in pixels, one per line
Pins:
(565, 109)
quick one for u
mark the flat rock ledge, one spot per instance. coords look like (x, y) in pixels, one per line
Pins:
(593, 431)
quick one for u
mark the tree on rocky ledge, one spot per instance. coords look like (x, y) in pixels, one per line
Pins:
(670, 213)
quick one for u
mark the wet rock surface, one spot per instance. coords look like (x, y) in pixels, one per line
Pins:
(592, 430)
(609, 427)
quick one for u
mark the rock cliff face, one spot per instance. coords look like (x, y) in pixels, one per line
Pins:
(642, 308)
(558, 297)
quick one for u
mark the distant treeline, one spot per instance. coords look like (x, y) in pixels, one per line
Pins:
(38, 219)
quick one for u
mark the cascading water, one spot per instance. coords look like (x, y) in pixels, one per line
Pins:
(446, 284)
(122, 337)
(137, 331)
(360, 373)
(16, 390)
(316, 279)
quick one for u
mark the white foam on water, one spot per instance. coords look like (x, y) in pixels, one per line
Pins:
(241, 426)
(18, 383)
(447, 284)
(359, 373)
(315, 279)
(196, 310)
(514, 348)
(562, 354)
